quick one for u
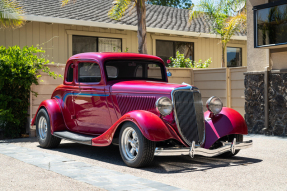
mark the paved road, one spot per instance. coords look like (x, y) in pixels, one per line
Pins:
(262, 167)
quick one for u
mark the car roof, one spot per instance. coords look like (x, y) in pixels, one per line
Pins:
(100, 56)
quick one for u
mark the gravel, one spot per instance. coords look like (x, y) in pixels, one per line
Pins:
(17, 175)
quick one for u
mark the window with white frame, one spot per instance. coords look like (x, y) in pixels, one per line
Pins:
(95, 44)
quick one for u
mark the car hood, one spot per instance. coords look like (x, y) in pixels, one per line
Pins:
(141, 86)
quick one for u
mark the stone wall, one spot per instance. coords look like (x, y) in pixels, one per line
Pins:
(254, 103)
(277, 104)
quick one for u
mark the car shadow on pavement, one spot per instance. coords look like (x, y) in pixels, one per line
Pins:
(181, 164)
(20, 140)
(170, 164)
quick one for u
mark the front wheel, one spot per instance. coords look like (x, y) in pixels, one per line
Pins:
(43, 129)
(239, 138)
(136, 150)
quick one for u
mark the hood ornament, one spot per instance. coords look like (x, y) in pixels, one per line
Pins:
(183, 83)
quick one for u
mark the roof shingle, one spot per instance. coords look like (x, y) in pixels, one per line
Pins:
(97, 10)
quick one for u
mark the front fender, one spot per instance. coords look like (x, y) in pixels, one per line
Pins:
(227, 122)
(152, 127)
(55, 114)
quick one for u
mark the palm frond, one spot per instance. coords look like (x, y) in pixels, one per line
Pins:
(10, 14)
(119, 9)
(237, 23)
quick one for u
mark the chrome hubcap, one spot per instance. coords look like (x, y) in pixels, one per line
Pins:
(42, 127)
(130, 143)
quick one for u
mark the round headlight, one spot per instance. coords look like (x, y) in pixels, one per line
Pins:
(214, 105)
(164, 105)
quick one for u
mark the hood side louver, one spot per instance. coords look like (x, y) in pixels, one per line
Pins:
(131, 103)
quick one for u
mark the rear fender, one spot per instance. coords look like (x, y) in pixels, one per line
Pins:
(228, 122)
(152, 127)
(55, 114)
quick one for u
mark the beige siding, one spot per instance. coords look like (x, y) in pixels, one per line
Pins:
(46, 86)
(204, 48)
(54, 39)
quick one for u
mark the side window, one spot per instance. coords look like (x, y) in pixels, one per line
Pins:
(69, 77)
(89, 72)
(154, 71)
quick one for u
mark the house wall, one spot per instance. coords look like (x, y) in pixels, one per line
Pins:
(257, 59)
(265, 84)
(56, 40)
(278, 59)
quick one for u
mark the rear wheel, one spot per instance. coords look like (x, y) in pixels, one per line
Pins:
(43, 129)
(136, 150)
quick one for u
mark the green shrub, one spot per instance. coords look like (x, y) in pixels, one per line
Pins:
(181, 62)
(19, 69)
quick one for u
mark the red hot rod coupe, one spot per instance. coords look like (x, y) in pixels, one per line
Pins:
(125, 99)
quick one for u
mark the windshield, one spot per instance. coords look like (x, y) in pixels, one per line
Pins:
(134, 70)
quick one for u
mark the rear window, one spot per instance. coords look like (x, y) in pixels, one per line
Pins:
(134, 70)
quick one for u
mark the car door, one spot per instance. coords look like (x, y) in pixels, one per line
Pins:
(91, 111)
(68, 98)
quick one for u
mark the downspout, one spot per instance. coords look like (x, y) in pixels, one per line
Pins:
(266, 89)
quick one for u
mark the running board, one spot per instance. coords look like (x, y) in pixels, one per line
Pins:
(75, 137)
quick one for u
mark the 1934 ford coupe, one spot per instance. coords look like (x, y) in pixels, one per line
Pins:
(125, 99)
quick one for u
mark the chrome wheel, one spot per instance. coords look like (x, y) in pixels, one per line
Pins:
(42, 127)
(130, 143)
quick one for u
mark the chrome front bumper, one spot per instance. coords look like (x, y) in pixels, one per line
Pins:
(197, 150)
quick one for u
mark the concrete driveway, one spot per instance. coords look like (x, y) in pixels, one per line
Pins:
(25, 165)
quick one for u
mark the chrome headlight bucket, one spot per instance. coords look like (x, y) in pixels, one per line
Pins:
(214, 105)
(164, 106)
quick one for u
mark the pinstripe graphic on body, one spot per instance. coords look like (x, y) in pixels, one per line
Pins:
(66, 95)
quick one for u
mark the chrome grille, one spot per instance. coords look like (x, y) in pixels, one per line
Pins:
(188, 113)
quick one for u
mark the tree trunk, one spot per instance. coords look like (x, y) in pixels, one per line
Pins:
(141, 12)
(223, 56)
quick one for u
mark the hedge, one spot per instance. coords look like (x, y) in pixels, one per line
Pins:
(19, 69)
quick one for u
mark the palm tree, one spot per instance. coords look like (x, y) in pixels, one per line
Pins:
(10, 14)
(228, 16)
(118, 11)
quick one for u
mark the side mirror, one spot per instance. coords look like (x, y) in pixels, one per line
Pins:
(169, 74)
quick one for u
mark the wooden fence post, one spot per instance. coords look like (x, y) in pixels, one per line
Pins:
(31, 104)
(228, 88)
(192, 76)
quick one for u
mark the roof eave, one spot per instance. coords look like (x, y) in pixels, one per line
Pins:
(121, 26)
